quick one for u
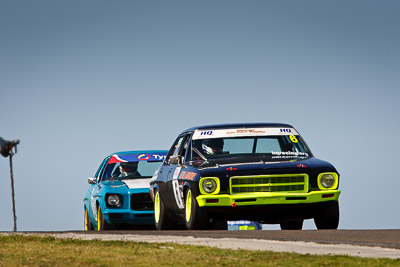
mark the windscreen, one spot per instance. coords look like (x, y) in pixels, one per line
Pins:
(269, 142)
(133, 166)
(131, 170)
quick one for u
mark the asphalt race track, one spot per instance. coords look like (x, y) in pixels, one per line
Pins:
(363, 243)
(380, 238)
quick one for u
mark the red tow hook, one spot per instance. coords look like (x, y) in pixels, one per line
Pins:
(234, 205)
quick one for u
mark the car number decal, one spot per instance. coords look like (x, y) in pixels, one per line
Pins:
(95, 191)
(293, 139)
(93, 204)
(177, 188)
(178, 193)
(176, 173)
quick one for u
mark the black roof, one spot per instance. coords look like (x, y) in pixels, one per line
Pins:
(239, 125)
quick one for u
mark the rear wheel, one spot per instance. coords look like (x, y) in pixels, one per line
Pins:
(101, 223)
(195, 216)
(161, 217)
(292, 225)
(88, 223)
(328, 218)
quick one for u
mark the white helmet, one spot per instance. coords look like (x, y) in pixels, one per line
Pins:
(212, 146)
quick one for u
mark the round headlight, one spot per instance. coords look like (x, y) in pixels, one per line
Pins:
(327, 180)
(209, 185)
(114, 200)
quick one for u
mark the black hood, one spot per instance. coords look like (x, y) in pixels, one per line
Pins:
(262, 165)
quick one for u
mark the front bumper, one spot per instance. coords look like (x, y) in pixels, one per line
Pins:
(256, 199)
(135, 208)
(270, 208)
(125, 216)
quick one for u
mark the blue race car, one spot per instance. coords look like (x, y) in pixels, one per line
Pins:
(119, 192)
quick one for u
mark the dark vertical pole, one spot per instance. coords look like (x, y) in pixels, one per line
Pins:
(12, 193)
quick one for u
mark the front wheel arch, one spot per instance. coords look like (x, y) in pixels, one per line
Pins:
(328, 217)
(101, 222)
(88, 225)
(186, 185)
(195, 216)
(162, 219)
(155, 187)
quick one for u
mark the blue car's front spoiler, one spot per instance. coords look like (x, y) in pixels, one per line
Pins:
(129, 216)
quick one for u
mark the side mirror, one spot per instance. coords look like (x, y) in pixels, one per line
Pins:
(174, 159)
(91, 180)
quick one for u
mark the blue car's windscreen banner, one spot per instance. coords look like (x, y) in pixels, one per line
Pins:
(137, 157)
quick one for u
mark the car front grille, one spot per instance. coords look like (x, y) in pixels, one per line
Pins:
(292, 183)
(141, 201)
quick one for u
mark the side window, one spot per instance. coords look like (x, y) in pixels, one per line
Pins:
(180, 147)
(100, 168)
(186, 156)
(175, 148)
(106, 174)
(101, 174)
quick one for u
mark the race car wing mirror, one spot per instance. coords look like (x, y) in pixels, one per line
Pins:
(91, 180)
(174, 159)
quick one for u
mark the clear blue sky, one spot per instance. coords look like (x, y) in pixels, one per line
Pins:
(82, 79)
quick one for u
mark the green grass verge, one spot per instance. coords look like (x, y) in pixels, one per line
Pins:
(18, 250)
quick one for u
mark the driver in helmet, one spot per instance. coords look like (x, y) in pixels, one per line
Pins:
(212, 146)
(129, 169)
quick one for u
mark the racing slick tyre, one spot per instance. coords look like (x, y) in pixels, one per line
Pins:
(161, 216)
(88, 223)
(101, 223)
(292, 225)
(328, 218)
(195, 217)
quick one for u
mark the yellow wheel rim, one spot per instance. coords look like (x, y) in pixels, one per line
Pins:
(86, 221)
(188, 208)
(157, 207)
(98, 219)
